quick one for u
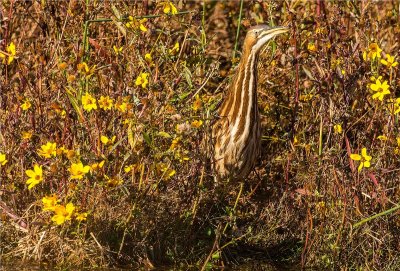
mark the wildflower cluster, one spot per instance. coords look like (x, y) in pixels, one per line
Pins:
(105, 103)
(62, 213)
(379, 88)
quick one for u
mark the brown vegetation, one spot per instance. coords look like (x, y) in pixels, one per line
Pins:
(153, 200)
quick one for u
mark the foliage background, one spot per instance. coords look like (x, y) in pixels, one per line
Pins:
(300, 207)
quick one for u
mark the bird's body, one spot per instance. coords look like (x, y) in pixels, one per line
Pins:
(236, 133)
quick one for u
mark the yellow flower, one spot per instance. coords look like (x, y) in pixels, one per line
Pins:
(373, 52)
(197, 123)
(170, 8)
(311, 47)
(127, 169)
(197, 104)
(142, 80)
(148, 58)
(382, 137)
(105, 140)
(77, 170)
(338, 128)
(174, 143)
(70, 78)
(105, 103)
(113, 182)
(3, 160)
(175, 49)
(48, 150)
(63, 213)
(81, 216)
(9, 57)
(84, 69)
(396, 106)
(121, 106)
(49, 203)
(97, 166)
(117, 50)
(70, 153)
(26, 135)
(35, 176)
(389, 62)
(181, 155)
(364, 159)
(381, 89)
(295, 140)
(62, 66)
(166, 171)
(136, 24)
(26, 105)
(88, 102)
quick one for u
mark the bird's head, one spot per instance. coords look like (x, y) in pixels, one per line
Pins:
(257, 36)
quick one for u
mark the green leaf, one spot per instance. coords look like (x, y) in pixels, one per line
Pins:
(216, 255)
(75, 104)
(164, 134)
(147, 138)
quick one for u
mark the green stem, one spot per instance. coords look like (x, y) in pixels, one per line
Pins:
(376, 216)
(238, 29)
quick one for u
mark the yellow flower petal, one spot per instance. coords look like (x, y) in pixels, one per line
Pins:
(30, 173)
(355, 157)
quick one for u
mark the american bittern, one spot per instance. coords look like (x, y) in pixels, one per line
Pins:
(236, 133)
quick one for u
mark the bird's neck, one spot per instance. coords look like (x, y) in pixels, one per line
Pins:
(241, 105)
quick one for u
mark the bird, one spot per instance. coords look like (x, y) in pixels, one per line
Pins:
(236, 132)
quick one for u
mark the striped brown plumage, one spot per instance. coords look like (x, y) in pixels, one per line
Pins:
(236, 133)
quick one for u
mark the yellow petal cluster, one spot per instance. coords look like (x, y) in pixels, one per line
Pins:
(136, 24)
(48, 150)
(78, 170)
(3, 159)
(49, 202)
(87, 71)
(381, 89)
(63, 213)
(26, 105)
(364, 159)
(35, 176)
(105, 103)
(142, 80)
(9, 55)
(170, 8)
(389, 61)
(338, 128)
(88, 102)
(373, 52)
(118, 50)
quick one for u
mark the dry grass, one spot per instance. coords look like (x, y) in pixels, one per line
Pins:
(299, 209)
